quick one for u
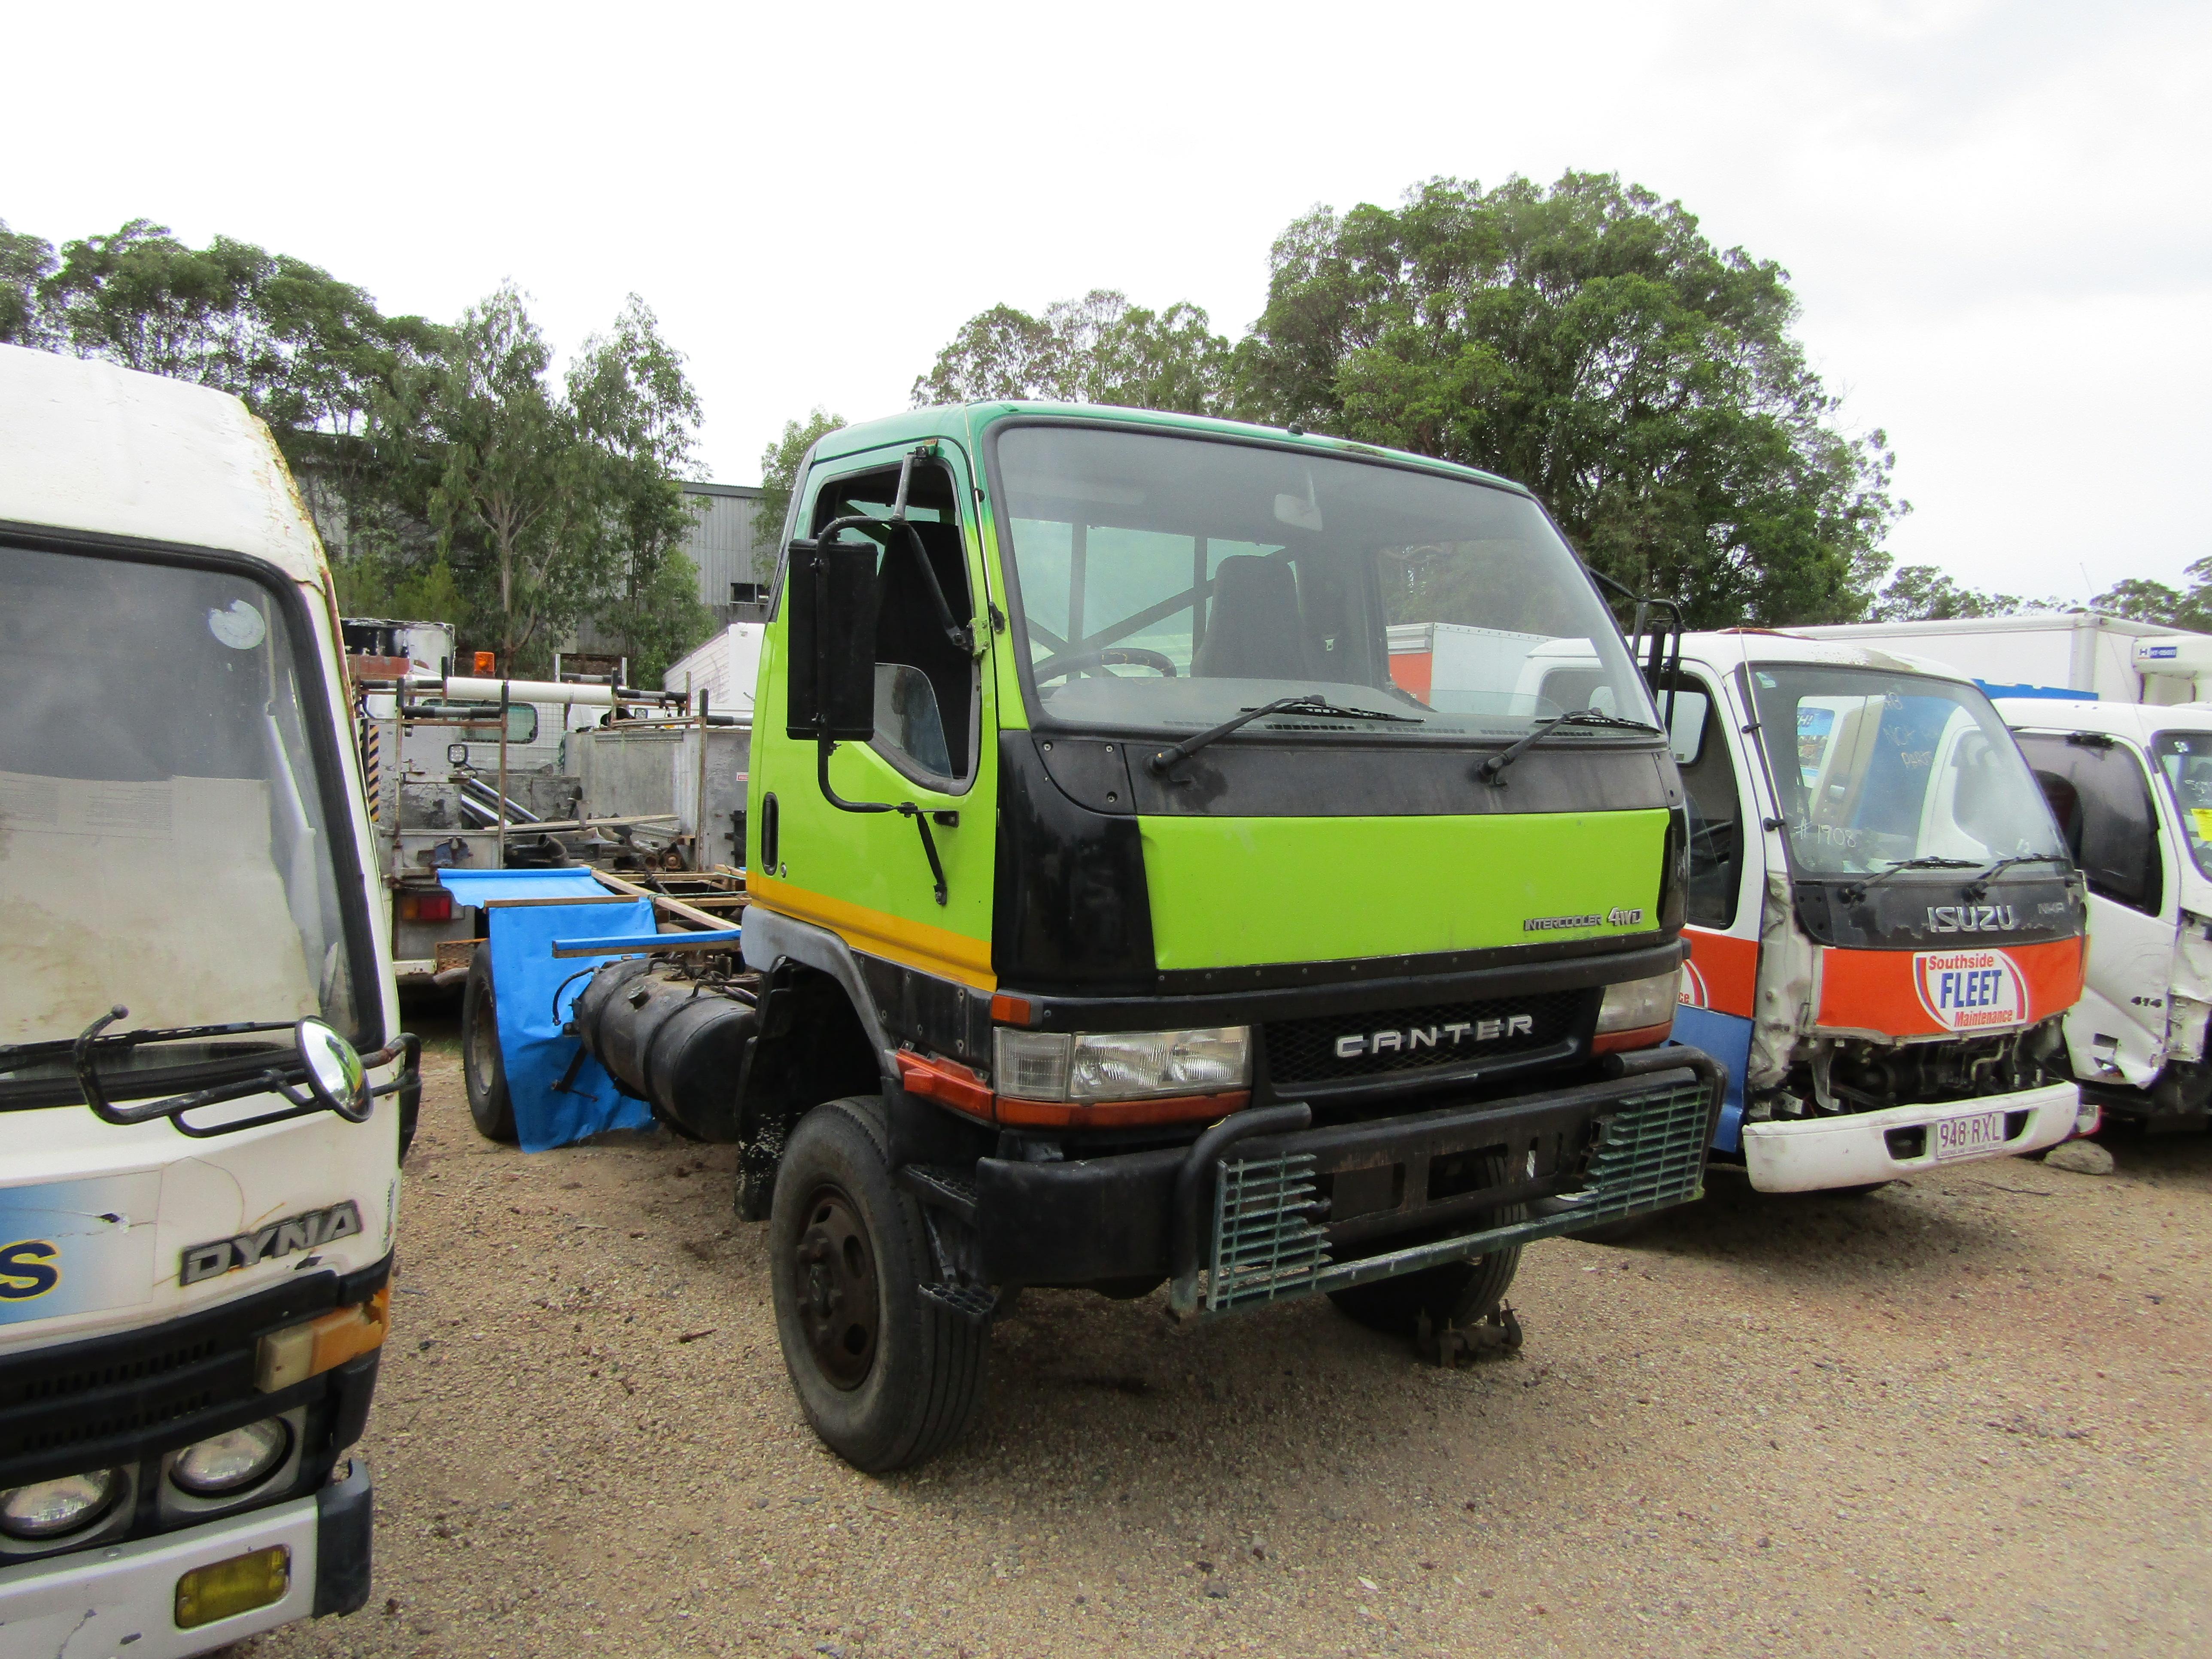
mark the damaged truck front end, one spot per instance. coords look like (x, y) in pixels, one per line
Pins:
(1886, 928)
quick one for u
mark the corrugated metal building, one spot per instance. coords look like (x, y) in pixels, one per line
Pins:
(734, 562)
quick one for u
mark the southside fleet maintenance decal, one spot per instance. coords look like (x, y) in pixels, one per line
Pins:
(70, 1247)
(1971, 990)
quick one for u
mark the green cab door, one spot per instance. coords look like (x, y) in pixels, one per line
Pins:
(867, 875)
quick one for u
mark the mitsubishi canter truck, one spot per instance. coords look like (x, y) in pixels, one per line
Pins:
(1125, 912)
(201, 1084)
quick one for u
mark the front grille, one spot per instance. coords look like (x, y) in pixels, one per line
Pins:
(1649, 1153)
(1418, 1039)
(78, 1380)
(135, 1382)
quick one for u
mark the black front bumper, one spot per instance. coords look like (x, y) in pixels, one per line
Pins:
(1564, 1159)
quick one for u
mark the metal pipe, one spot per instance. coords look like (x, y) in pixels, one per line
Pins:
(699, 811)
(502, 773)
(471, 688)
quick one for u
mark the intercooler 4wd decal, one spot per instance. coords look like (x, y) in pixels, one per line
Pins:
(1930, 992)
(1971, 990)
(279, 1238)
(70, 1247)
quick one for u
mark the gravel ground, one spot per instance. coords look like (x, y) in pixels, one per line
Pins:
(1964, 1415)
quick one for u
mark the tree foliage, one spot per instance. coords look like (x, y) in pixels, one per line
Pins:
(636, 408)
(780, 465)
(2156, 602)
(1921, 592)
(307, 353)
(554, 504)
(454, 481)
(1098, 350)
(25, 260)
(1587, 340)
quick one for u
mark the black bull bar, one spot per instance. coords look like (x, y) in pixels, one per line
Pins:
(1239, 1217)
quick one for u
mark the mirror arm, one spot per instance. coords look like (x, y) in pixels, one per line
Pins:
(904, 809)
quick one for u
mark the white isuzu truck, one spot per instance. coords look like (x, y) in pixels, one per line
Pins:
(202, 1082)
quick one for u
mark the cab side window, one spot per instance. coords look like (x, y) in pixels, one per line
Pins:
(925, 685)
(1708, 783)
(2101, 799)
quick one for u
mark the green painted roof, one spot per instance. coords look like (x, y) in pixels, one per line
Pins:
(916, 424)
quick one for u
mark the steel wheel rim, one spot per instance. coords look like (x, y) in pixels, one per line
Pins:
(833, 1283)
(480, 1054)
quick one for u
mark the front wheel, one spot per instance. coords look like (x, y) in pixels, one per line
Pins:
(483, 1074)
(885, 1377)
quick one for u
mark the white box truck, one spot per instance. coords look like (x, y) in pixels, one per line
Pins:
(2075, 654)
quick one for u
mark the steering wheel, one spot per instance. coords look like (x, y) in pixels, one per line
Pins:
(1112, 656)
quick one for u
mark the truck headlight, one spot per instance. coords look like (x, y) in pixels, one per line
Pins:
(230, 1462)
(1637, 1012)
(48, 1509)
(1103, 1066)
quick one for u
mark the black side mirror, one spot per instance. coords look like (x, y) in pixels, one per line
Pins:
(830, 593)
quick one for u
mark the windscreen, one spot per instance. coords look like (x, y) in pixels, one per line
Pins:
(1168, 582)
(2185, 761)
(162, 842)
(1876, 768)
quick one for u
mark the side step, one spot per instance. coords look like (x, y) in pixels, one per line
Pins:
(947, 1189)
(974, 1303)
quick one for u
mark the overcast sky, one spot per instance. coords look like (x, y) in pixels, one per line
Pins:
(1997, 217)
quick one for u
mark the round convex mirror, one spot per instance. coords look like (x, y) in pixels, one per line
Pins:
(334, 1070)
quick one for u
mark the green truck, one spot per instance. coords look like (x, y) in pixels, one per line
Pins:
(1178, 852)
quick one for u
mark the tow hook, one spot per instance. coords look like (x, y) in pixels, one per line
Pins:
(1494, 1334)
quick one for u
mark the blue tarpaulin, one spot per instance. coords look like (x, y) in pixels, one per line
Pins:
(477, 887)
(535, 991)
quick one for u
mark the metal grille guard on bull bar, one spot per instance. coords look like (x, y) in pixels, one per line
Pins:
(1265, 1244)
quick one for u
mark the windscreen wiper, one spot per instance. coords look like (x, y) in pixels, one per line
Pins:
(1309, 703)
(1491, 769)
(1854, 891)
(1979, 886)
(14, 1056)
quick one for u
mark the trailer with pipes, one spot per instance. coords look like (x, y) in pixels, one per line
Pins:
(476, 772)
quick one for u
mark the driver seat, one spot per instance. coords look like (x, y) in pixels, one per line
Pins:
(1253, 629)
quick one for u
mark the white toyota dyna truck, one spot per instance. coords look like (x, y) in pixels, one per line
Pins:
(201, 1080)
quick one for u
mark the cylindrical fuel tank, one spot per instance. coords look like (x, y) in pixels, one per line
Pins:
(673, 1042)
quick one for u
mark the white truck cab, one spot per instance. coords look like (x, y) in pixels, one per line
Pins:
(1884, 927)
(2130, 786)
(202, 1081)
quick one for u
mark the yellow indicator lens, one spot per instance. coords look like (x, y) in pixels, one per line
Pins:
(299, 1351)
(223, 1589)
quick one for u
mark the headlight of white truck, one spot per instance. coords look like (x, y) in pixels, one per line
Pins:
(50, 1509)
(232, 1461)
(1088, 1066)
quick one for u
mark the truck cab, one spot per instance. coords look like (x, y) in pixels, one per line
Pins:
(1131, 903)
(1884, 927)
(2130, 786)
(202, 1085)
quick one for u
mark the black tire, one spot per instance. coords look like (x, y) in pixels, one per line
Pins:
(1462, 1293)
(846, 1244)
(483, 1073)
